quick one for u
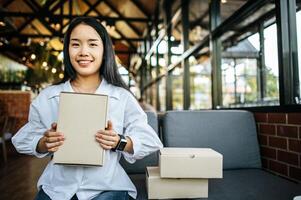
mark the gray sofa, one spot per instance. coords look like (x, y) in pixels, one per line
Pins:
(233, 134)
(151, 160)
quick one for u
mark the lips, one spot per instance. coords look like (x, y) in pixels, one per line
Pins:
(84, 63)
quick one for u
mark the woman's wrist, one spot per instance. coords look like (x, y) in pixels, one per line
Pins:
(41, 147)
(129, 145)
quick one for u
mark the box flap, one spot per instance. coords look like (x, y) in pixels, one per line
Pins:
(173, 151)
(153, 172)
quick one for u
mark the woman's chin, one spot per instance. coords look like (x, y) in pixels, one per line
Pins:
(87, 73)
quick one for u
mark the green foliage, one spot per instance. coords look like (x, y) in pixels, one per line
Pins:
(42, 74)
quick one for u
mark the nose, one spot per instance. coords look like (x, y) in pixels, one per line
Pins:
(84, 50)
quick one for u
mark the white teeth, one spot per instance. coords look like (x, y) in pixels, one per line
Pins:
(83, 62)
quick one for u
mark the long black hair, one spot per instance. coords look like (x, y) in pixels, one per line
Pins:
(108, 69)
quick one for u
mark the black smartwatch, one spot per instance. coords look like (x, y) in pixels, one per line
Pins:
(121, 144)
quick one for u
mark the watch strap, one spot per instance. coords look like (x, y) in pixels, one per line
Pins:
(121, 143)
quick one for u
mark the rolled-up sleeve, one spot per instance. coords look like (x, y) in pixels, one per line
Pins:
(27, 138)
(145, 139)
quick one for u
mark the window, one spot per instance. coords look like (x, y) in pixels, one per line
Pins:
(200, 82)
(298, 20)
(162, 92)
(271, 64)
(177, 88)
(239, 73)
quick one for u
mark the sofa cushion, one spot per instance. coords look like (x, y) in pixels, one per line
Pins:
(246, 184)
(249, 184)
(151, 160)
(231, 133)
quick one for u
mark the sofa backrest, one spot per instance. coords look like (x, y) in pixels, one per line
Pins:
(151, 160)
(230, 132)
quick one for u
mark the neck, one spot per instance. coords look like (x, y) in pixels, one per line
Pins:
(86, 84)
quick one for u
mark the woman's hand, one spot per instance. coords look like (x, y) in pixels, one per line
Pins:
(51, 141)
(108, 139)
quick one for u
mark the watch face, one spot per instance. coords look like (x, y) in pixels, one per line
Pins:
(122, 144)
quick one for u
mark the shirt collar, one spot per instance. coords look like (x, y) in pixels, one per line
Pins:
(104, 88)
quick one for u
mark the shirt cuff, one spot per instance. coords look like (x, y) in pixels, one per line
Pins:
(34, 146)
(129, 157)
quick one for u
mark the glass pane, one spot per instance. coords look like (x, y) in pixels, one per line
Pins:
(177, 88)
(228, 81)
(239, 82)
(162, 91)
(200, 82)
(299, 45)
(271, 62)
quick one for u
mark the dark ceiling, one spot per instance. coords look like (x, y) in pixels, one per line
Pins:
(44, 22)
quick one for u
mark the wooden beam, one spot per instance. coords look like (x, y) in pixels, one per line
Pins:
(41, 19)
(31, 18)
(92, 6)
(7, 3)
(119, 14)
(139, 5)
(120, 33)
(67, 16)
(16, 34)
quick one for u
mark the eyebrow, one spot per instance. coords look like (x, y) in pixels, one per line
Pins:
(89, 40)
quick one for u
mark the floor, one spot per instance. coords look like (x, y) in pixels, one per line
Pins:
(19, 176)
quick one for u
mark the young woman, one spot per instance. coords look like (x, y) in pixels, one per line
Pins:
(89, 68)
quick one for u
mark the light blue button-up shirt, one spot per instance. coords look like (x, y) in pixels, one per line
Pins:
(61, 182)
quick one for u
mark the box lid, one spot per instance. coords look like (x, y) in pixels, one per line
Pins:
(174, 151)
(153, 172)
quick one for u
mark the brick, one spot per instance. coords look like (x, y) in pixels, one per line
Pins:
(277, 118)
(287, 131)
(278, 167)
(264, 163)
(294, 118)
(294, 145)
(268, 152)
(263, 139)
(287, 157)
(295, 173)
(278, 142)
(261, 117)
(17, 105)
(267, 129)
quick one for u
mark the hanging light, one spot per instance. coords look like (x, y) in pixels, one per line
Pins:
(44, 64)
(33, 56)
(2, 23)
(61, 75)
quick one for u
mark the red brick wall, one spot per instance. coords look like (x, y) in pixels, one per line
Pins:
(280, 143)
(15, 104)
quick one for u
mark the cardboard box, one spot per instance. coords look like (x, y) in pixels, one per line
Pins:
(190, 163)
(166, 188)
(80, 117)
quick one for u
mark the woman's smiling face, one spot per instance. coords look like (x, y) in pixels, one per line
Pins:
(85, 50)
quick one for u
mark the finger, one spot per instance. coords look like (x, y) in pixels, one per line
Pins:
(53, 134)
(110, 125)
(105, 142)
(53, 126)
(54, 139)
(108, 137)
(52, 150)
(53, 144)
(107, 132)
(105, 147)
